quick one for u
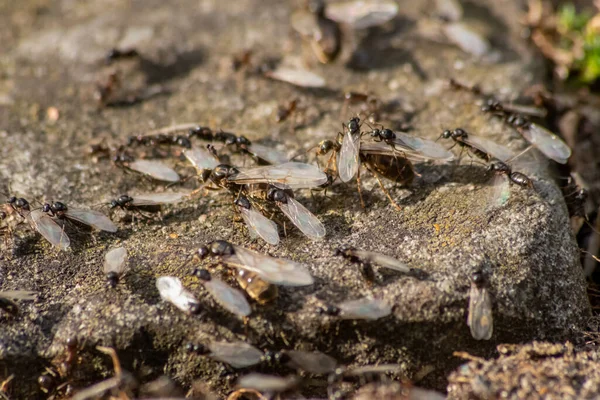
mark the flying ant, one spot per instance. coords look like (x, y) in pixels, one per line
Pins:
(229, 298)
(480, 319)
(39, 221)
(92, 218)
(115, 265)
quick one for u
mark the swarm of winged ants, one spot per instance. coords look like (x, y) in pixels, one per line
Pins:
(262, 195)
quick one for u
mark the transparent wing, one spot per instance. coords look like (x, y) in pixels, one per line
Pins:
(382, 148)
(200, 158)
(304, 220)
(229, 298)
(426, 147)
(92, 218)
(274, 270)
(496, 150)
(298, 77)
(269, 154)
(365, 308)
(362, 14)
(382, 260)
(267, 383)
(314, 362)
(467, 39)
(18, 294)
(260, 225)
(293, 175)
(171, 289)
(348, 158)
(373, 369)
(150, 199)
(480, 318)
(547, 142)
(525, 110)
(155, 169)
(237, 354)
(116, 261)
(49, 229)
(499, 192)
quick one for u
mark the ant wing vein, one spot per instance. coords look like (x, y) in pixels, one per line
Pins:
(171, 289)
(92, 218)
(201, 159)
(274, 270)
(18, 294)
(304, 220)
(480, 318)
(348, 158)
(298, 77)
(365, 308)
(427, 148)
(382, 260)
(231, 299)
(260, 225)
(238, 354)
(49, 229)
(155, 169)
(362, 14)
(498, 151)
(269, 154)
(547, 142)
(115, 261)
(267, 383)
(150, 199)
(314, 362)
(293, 175)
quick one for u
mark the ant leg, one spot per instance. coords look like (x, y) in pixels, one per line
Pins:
(362, 202)
(387, 193)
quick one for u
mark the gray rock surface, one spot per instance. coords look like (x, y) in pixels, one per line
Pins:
(534, 371)
(52, 57)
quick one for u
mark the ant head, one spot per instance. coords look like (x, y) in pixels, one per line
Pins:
(202, 274)
(354, 124)
(278, 195)
(478, 277)
(242, 201)
(325, 146)
(183, 142)
(203, 252)
(21, 203)
(46, 208)
(329, 310)
(195, 308)
(112, 279)
(446, 134)
(243, 141)
(221, 248)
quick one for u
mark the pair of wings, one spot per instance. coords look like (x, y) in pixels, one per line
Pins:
(292, 175)
(410, 147)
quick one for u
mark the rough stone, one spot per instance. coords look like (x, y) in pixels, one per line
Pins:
(52, 57)
(538, 370)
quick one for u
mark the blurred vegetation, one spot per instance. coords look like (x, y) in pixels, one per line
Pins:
(569, 37)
